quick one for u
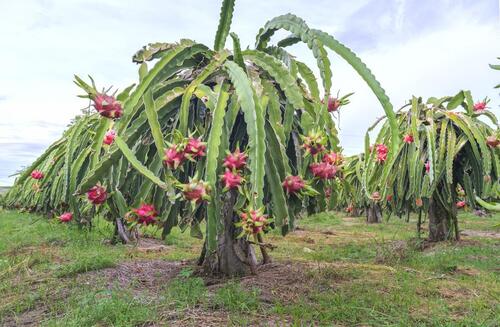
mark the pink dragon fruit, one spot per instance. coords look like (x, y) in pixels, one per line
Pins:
(492, 141)
(253, 221)
(146, 214)
(376, 196)
(109, 137)
(333, 158)
(293, 184)
(333, 104)
(382, 151)
(173, 157)
(196, 191)
(36, 174)
(389, 197)
(195, 148)
(107, 106)
(323, 170)
(480, 106)
(427, 166)
(231, 180)
(460, 204)
(97, 195)
(408, 138)
(66, 217)
(235, 160)
(314, 142)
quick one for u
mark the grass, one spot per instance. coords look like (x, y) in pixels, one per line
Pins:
(353, 274)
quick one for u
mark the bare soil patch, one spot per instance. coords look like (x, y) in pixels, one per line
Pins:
(477, 233)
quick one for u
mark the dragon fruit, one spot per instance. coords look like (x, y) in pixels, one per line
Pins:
(323, 170)
(333, 104)
(231, 180)
(36, 174)
(146, 214)
(480, 106)
(196, 191)
(314, 142)
(173, 157)
(195, 148)
(408, 138)
(235, 160)
(109, 137)
(97, 195)
(460, 204)
(389, 197)
(382, 151)
(107, 106)
(492, 141)
(419, 202)
(66, 217)
(333, 158)
(293, 184)
(253, 222)
(427, 166)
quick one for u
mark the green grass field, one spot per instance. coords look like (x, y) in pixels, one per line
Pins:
(333, 270)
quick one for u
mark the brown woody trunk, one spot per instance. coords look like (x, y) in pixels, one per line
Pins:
(233, 257)
(373, 214)
(440, 222)
(122, 234)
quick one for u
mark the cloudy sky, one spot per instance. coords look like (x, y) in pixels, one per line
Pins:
(414, 47)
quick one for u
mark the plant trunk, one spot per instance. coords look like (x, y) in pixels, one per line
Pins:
(373, 214)
(233, 257)
(440, 228)
(122, 234)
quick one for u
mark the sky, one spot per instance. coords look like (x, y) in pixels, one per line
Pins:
(414, 47)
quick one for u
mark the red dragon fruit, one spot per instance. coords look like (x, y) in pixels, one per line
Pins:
(460, 204)
(109, 137)
(107, 106)
(480, 106)
(419, 202)
(314, 142)
(349, 208)
(236, 160)
(253, 222)
(333, 104)
(231, 180)
(408, 138)
(146, 214)
(195, 148)
(492, 141)
(173, 157)
(36, 174)
(97, 195)
(323, 170)
(376, 196)
(333, 158)
(389, 197)
(427, 166)
(293, 184)
(66, 217)
(382, 151)
(196, 191)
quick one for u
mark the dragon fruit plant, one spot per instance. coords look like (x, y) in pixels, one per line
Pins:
(173, 129)
(446, 146)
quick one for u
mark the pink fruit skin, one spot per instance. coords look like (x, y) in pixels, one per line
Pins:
(66, 217)
(107, 106)
(109, 137)
(173, 158)
(97, 195)
(323, 170)
(36, 174)
(382, 151)
(333, 104)
(293, 184)
(408, 138)
(235, 160)
(480, 106)
(146, 214)
(231, 180)
(460, 204)
(195, 148)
